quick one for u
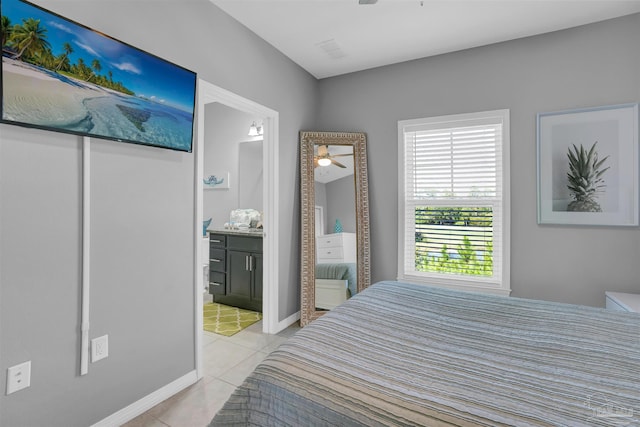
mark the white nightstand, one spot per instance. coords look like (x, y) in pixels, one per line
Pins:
(336, 248)
(623, 302)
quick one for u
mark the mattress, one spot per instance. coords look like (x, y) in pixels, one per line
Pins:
(403, 354)
(339, 271)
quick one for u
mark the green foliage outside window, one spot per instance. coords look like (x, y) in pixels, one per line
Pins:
(469, 216)
(454, 240)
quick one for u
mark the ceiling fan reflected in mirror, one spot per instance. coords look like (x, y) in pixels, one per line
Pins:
(324, 158)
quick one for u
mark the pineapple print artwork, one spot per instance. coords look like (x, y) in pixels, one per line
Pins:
(585, 178)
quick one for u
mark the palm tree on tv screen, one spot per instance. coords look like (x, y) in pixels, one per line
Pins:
(95, 64)
(67, 50)
(6, 29)
(81, 69)
(29, 38)
(44, 58)
(28, 42)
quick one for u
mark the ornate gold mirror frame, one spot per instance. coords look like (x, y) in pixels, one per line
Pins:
(308, 143)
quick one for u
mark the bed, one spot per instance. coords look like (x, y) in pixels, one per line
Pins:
(339, 271)
(334, 284)
(403, 354)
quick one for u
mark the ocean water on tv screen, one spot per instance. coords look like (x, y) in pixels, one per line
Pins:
(140, 120)
(43, 98)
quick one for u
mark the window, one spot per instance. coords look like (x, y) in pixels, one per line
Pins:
(454, 201)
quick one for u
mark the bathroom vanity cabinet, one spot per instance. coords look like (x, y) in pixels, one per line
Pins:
(235, 269)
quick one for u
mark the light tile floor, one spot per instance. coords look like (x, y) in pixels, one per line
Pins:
(226, 363)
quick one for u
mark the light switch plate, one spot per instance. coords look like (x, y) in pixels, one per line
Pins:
(18, 377)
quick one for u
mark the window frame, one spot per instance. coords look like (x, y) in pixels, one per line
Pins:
(500, 283)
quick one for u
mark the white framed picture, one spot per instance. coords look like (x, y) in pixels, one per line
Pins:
(216, 181)
(588, 166)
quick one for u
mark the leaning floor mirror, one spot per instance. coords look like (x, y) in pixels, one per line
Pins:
(335, 220)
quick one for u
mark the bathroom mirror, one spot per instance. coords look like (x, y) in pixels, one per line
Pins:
(335, 220)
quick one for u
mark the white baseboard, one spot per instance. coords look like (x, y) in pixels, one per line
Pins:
(143, 405)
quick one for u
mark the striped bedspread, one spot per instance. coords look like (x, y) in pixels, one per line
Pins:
(340, 271)
(402, 354)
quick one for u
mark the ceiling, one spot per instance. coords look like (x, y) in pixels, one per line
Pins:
(326, 174)
(333, 37)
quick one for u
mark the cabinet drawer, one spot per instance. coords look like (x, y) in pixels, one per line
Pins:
(217, 240)
(243, 243)
(217, 283)
(217, 260)
(329, 240)
(330, 253)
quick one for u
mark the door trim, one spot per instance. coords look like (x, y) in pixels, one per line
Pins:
(209, 93)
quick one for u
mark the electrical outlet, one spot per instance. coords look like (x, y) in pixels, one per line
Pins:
(99, 348)
(18, 377)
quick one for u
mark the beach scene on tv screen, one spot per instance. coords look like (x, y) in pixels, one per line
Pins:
(60, 75)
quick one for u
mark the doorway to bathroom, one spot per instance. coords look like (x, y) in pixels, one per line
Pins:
(233, 210)
(212, 98)
(232, 166)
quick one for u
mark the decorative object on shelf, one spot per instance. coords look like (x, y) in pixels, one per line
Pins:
(205, 225)
(242, 218)
(588, 166)
(337, 228)
(216, 181)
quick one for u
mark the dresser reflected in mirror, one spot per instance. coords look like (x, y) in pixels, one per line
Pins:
(335, 220)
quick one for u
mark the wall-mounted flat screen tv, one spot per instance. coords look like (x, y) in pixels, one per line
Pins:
(63, 76)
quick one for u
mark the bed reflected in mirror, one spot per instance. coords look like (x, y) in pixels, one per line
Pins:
(335, 233)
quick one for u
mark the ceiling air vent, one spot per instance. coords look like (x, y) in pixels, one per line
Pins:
(331, 48)
(367, 1)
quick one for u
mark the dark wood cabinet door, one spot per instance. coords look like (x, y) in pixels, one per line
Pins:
(257, 279)
(245, 243)
(235, 270)
(217, 260)
(217, 283)
(239, 276)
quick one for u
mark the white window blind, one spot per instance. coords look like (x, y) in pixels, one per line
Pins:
(453, 200)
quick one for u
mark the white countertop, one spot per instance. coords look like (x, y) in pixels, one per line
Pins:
(257, 232)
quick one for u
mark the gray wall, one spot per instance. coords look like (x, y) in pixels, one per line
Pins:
(320, 190)
(250, 175)
(337, 199)
(225, 132)
(341, 202)
(593, 65)
(142, 220)
(142, 224)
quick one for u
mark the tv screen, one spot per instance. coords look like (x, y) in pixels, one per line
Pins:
(63, 76)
